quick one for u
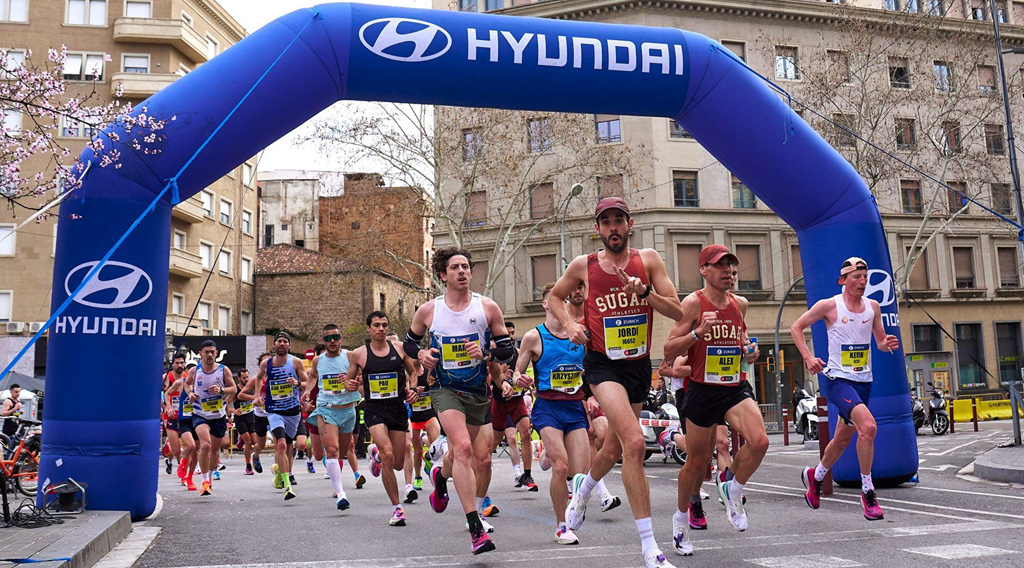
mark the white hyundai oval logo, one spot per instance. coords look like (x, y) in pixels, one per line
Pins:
(880, 282)
(131, 285)
(391, 43)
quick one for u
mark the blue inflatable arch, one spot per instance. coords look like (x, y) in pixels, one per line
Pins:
(102, 426)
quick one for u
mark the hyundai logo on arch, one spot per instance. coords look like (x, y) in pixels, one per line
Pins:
(115, 286)
(405, 39)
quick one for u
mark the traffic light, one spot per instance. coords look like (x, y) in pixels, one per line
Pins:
(771, 364)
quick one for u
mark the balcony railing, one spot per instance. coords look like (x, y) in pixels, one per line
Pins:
(189, 210)
(186, 264)
(168, 32)
(140, 85)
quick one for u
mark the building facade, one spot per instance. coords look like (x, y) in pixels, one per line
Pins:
(967, 283)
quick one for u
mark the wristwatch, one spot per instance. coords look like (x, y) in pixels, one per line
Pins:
(695, 336)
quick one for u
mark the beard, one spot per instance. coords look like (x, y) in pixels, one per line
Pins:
(616, 248)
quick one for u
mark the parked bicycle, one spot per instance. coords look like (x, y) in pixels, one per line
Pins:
(20, 457)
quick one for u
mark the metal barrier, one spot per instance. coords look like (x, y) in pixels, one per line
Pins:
(770, 414)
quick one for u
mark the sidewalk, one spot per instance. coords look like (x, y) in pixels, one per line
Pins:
(1001, 464)
(84, 538)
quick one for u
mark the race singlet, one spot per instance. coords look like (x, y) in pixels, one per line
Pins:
(212, 403)
(383, 386)
(280, 389)
(854, 357)
(722, 365)
(625, 336)
(422, 403)
(454, 354)
(334, 383)
(246, 407)
(567, 378)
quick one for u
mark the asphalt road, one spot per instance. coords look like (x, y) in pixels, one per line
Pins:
(946, 520)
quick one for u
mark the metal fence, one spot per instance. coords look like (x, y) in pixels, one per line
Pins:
(770, 414)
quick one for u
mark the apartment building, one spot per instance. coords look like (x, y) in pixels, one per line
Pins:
(139, 46)
(968, 282)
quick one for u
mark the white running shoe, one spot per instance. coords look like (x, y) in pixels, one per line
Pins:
(732, 498)
(564, 535)
(609, 502)
(655, 559)
(680, 542)
(545, 463)
(576, 511)
(488, 527)
(704, 494)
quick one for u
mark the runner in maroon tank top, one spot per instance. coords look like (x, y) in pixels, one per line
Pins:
(626, 286)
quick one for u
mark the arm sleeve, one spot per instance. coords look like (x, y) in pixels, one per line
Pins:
(412, 344)
(504, 349)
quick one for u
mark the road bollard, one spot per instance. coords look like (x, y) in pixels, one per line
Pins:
(823, 440)
(974, 413)
(952, 429)
(785, 426)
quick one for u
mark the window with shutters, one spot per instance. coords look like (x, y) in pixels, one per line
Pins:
(476, 208)
(838, 66)
(543, 271)
(80, 66)
(943, 76)
(1009, 267)
(919, 274)
(609, 128)
(910, 192)
(224, 262)
(13, 10)
(542, 201)
(203, 314)
(8, 239)
(206, 255)
(684, 189)
(1002, 201)
(138, 9)
(906, 134)
(986, 78)
(610, 186)
(994, 141)
(178, 304)
(135, 63)
(749, 270)
(539, 134)
(245, 323)
(956, 196)
(951, 143)
(688, 276)
(223, 319)
(844, 129)
(963, 267)
(472, 145)
(676, 130)
(6, 305)
(796, 265)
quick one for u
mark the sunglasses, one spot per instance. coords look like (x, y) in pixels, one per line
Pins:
(333, 337)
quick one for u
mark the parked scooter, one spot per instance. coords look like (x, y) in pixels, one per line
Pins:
(938, 417)
(807, 415)
(666, 411)
(919, 415)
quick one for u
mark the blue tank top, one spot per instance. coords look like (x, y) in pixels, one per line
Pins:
(559, 371)
(280, 396)
(184, 407)
(332, 371)
(449, 332)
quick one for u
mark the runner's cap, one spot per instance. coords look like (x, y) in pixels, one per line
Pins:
(714, 253)
(283, 334)
(851, 264)
(611, 203)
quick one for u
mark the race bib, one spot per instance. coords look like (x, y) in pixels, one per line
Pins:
(625, 336)
(186, 409)
(175, 400)
(854, 358)
(281, 389)
(422, 403)
(383, 385)
(454, 354)
(722, 365)
(246, 407)
(567, 378)
(212, 404)
(332, 383)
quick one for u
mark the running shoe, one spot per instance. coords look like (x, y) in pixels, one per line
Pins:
(181, 468)
(206, 488)
(221, 467)
(278, 483)
(248, 469)
(439, 496)
(517, 480)
(576, 511)
(667, 439)
(719, 478)
(291, 479)
(343, 504)
(309, 466)
(488, 527)
(427, 464)
(564, 535)
(360, 480)
(655, 559)
(527, 482)
(167, 464)
(872, 511)
(813, 494)
(398, 518)
(216, 476)
(410, 494)
(482, 543)
(545, 463)
(680, 542)
(704, 495)
(609, 502)
(374, 460)
(733, 500)
(490, 509)
(257, 465)
(417, 483)
(188, 483)
(289, 494)
(697, 519)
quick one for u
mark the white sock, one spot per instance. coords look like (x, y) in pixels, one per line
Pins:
(334, 470)
(736, 486)
(647, 542)
(681, 518)
(865, 483)
(820, 472)
(395, 507)
(602, 490)
(480, 505)
(517, 470)
(587, 487)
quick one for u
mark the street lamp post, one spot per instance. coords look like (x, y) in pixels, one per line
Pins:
(1013, 167)
(577, 188)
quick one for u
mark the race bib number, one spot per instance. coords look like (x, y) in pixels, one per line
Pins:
(854, 358)
(383, 386)
(454, 354)
(722, 365)
(625, 336)
(422, 403)
(186, 409)
(212, 404)
(332, 383)
(281, 389)
(175, 400)
(246, 407)
(567, 378)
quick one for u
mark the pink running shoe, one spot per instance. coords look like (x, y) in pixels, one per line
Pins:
(872, 511)
(374, 460)
(697, 519)
(813, 495)
(439, 496)
(481, 542)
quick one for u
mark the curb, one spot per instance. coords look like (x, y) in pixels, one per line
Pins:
(98, 534)
(992, 465)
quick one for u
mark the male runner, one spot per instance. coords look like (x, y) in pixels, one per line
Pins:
(262, 423)
(207, 386)
(422, 419)
(851, 321)
(626, 286)
(11, 411)
(558, 412)
(336, 400)
(278, 384)
(461, 325)
(713, 334)
(316, 447)
(510, 415)
(170, 409)
(245, 416)
(389, 381)
(189, 453)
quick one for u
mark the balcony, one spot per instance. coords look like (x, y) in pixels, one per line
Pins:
(176, 325)
(140, 85)
(168, 32)
(186, 264)
(189, 211)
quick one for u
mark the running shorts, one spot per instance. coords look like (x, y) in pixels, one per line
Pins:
(476, 407)
(245, 423)
(284, 426)
(171, 424)
(504, 411)
(394, 416)
(563, 415)
(634, 374)
(706, 405)
(218, 426)
(343, 418)
(846, 395)
(262, 426)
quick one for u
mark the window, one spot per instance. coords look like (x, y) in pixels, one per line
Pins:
(936, 7)
(247, 175)
(994, 142)
(180, 240)
(467, 5)
(212, 46)
(749, 270)
(943, 76)
(1001, 13)
(223, 318)
(609, 128)
(742, 197)
(494, 5)
(245, 323)
(87, 12)
(8, 238)
(135, 63)
(12, 122)
(970, 355)
(539, 135)
(906, 135)
(910, 192)
(684, 189)
(6, 305)
(797, 265)
(136, 9)
(838, 66)
(963, 266)
(472, 145)
(544, 271)
(1009, 267)
(951, 142)
(246, 269)
(986, 78)
(226, 211)
(71, 128)
(891, 5)
(203, 314)
(899, 73)
(476, 208)
(979, 10)
(186, 19)
(609, 186)
(738, 48)
(83, 66)
(13, 59)
(206, 255)
(284, 226)
(911, 6)
(1008, 350)
(542, 201)
(224, 262)
(927, 337)
(268, 235)
(178, 304)
(479, 280)
(688, 276)
(919, 274)
(844, 128)
(787, 64)
(676, 130)
(247, 222)
(13, 10)
(1002, 202)
(956, 196)
(206, 200)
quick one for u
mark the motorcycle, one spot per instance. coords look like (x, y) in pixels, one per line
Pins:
(919, 415)
(666, 411)
(938, 417)
(807, 416)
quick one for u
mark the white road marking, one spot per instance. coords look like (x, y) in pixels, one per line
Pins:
(940, 468)
(959, 551)
(954, 448)
(998, 496)
(804, 561)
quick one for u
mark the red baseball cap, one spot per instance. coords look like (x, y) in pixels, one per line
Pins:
(714, 253)
(611, 203)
